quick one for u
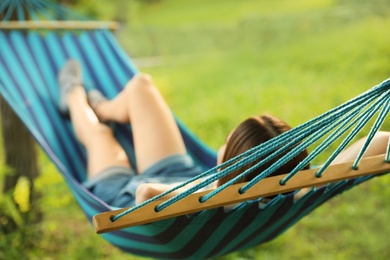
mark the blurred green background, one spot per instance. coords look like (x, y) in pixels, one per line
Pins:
(218, 62)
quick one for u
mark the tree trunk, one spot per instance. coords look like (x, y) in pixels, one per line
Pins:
(20, 154)
(20, 158)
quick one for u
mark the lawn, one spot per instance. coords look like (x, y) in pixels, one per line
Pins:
(217, 62)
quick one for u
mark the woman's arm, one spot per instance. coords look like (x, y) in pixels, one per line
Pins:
(377, 146)
(147, 191)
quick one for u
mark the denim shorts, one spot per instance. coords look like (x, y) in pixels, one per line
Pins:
(117, 185)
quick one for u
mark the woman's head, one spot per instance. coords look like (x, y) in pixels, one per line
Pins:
(251, 133)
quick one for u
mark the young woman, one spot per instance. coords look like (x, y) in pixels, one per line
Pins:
(161, 156)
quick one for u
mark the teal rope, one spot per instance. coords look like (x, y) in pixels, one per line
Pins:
(286, 158)
(369, 94)
(275, 166)
(324, 121)
(378, 123)
(289, 156)
(249, 158)
(346, 124)
(10, 10)
(38, 10)
(306, 132)
(214, 177)
(260, 151)
(387, 158)
(363, 121)
(20, 13)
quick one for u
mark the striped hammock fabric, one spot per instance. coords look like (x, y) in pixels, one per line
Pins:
(29, 63)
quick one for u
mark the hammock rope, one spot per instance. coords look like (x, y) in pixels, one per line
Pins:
(363, 119)
(342, 130)
(326, 143)
(378, 123)
(251, 155)
(38, 10)
(343, 118)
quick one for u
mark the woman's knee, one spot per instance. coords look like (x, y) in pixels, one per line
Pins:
(140, 87)
(140, 82)
(143, 79)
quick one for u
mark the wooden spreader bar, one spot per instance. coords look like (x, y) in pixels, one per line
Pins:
(266, 187)
(59, 25)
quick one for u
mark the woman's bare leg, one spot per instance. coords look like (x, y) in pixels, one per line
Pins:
(111, 110)
(103, 150)
(155, 132)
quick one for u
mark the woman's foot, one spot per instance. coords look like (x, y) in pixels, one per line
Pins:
(69, 78)
(95, 97)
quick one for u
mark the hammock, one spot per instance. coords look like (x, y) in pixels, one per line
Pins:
(29, 62)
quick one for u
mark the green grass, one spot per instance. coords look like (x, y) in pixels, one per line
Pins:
(176, 13)
(218, 62)
(317, 73)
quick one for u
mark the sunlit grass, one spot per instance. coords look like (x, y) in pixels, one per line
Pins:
(218, 90)
(176, 13)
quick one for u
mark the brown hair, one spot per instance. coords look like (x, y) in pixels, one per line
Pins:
(251, 133)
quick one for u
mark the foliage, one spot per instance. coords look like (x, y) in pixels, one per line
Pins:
(215, 66)
(18, 227)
